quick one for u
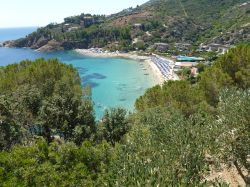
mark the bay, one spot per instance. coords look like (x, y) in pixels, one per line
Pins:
(115, 82)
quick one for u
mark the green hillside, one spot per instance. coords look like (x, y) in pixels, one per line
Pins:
(167, 21)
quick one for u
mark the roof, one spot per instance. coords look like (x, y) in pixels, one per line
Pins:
(161, 44)
(186, 64)
(218, 45)
(189, 59)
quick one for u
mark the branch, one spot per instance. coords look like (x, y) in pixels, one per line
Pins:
(240, 172)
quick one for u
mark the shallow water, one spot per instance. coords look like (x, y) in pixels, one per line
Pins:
(114, 81)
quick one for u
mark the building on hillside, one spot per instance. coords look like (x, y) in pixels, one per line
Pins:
(161, 47)
(73, 28)
(70, 26)
(87, 21)
(218, 48)
(183, 46)
(138, 26)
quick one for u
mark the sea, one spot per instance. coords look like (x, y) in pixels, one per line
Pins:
(115, 82)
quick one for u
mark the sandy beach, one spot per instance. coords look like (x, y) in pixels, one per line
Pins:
(158, 76)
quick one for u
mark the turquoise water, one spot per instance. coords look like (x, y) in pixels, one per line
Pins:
(15, 33)
(114, 81)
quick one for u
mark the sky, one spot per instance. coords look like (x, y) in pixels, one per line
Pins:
(23, 13)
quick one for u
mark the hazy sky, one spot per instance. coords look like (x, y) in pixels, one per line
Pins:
(18, 13)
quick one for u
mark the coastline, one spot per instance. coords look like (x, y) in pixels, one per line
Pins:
(158, 76)
(96, 52)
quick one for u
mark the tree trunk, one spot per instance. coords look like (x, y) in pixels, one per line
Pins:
(47, 134)
(240, 173)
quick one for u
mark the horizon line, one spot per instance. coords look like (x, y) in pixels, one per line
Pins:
(16, 27)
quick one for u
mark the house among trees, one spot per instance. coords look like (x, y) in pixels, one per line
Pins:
(219, 48)
(161, 47)
(87, 21)
(70, 27)
(183, 46)
(138, 26)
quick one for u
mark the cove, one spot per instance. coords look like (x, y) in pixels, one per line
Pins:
(114, 82)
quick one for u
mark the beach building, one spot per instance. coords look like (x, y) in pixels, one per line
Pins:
(188, 59)
(181, 65)
(186, 62)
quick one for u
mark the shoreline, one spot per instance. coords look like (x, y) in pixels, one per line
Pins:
(156, 73)
(96, 52)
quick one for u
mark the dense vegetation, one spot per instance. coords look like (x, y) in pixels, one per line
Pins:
(168, 21)
(179, 134)
(43, 98)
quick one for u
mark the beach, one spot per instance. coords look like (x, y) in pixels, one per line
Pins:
(96, 52)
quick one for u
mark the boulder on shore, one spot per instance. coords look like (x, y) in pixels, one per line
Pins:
(52, 45)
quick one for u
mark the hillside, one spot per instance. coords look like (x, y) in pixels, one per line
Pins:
(165, 21)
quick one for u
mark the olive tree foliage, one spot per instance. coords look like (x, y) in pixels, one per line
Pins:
(9, 130)
(234, 119)
(165, 148)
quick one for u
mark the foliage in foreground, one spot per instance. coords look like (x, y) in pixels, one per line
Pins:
(56, 164)
(179, 132)
(43, 98)
(165, 147)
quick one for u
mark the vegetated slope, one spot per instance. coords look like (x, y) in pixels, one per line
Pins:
(183, 133)
(200, 20)
(169, 21)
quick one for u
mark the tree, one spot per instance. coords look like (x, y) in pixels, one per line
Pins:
(114, 125)
(236, 63)
(164, 148)
(179, 94)
(212, 81)
(10, 132)
(57, 164)
(45, 98)
(234, 118)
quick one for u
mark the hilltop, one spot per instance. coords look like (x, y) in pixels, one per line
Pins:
(192, 22)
